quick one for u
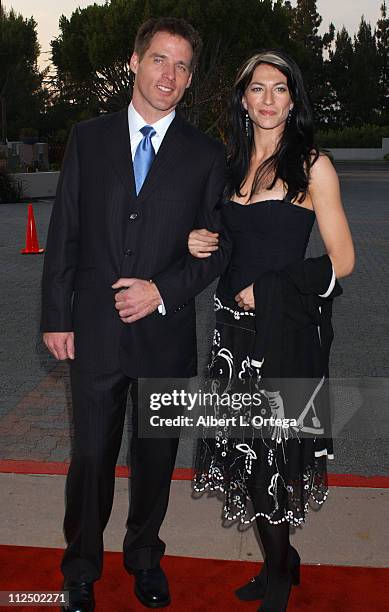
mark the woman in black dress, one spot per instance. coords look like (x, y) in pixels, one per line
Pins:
(273, 317)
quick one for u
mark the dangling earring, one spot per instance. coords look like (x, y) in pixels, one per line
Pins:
(247, 121)
(289, 116)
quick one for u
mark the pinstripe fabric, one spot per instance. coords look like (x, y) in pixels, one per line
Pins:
(99, 406)
(100, 231)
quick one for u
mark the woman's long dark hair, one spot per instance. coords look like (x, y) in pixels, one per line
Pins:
(295, 153)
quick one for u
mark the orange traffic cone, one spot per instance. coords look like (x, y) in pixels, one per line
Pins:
(32, 245)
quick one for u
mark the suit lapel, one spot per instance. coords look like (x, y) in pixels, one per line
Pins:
(116, 142)
(169, 154)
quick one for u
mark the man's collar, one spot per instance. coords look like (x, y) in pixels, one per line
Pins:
(136, 122)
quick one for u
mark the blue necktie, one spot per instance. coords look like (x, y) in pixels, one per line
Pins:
(144, 156)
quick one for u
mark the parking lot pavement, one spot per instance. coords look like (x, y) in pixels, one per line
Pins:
(35, 396)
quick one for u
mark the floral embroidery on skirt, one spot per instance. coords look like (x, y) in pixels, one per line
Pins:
(238, 460)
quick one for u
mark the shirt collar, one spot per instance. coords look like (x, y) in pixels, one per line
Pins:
(136, 122)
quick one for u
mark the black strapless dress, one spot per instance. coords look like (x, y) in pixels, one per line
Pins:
(266, 236)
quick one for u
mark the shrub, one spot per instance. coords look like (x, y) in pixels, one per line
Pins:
(10, 190)
(28, 132)
(364, 137)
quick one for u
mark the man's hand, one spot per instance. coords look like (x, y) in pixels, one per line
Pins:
(137, 298)
(245, 298)
(60, 344)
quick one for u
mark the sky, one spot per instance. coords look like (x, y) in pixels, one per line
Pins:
(47, 13)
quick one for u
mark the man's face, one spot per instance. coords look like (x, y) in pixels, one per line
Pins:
(162, 75)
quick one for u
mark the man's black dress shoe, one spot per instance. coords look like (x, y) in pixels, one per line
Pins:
(152, 588)
(81, 596)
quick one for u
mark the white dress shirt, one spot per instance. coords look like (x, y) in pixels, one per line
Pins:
(135, 124)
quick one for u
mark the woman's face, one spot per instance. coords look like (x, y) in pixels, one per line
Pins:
(267, 98)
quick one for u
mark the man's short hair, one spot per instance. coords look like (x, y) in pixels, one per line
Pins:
(172, 25)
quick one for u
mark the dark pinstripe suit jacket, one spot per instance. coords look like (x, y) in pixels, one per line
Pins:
(100, 231)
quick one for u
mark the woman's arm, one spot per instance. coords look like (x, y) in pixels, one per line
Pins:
(324, 191)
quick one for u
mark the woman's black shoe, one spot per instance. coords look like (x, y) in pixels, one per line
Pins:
(256, 588)
(277, 594)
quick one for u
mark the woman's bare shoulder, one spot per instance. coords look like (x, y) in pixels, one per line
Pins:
(323, 173)
(321, 164)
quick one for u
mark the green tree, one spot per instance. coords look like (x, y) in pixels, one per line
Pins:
(21, 90)
(382, 37)
(364, 92)
(340, 77)
(307, 47)
(91, 53)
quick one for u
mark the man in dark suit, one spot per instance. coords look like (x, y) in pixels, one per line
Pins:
(118, 297)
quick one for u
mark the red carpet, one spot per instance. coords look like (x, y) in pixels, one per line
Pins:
(22, 466)
(200, 584)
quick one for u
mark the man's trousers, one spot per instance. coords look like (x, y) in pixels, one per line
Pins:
(99, 406)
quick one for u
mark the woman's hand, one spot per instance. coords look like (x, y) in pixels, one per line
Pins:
(202, 243)
(245, 298)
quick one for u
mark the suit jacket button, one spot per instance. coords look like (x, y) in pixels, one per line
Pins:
(133, 216)
(128, 252)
